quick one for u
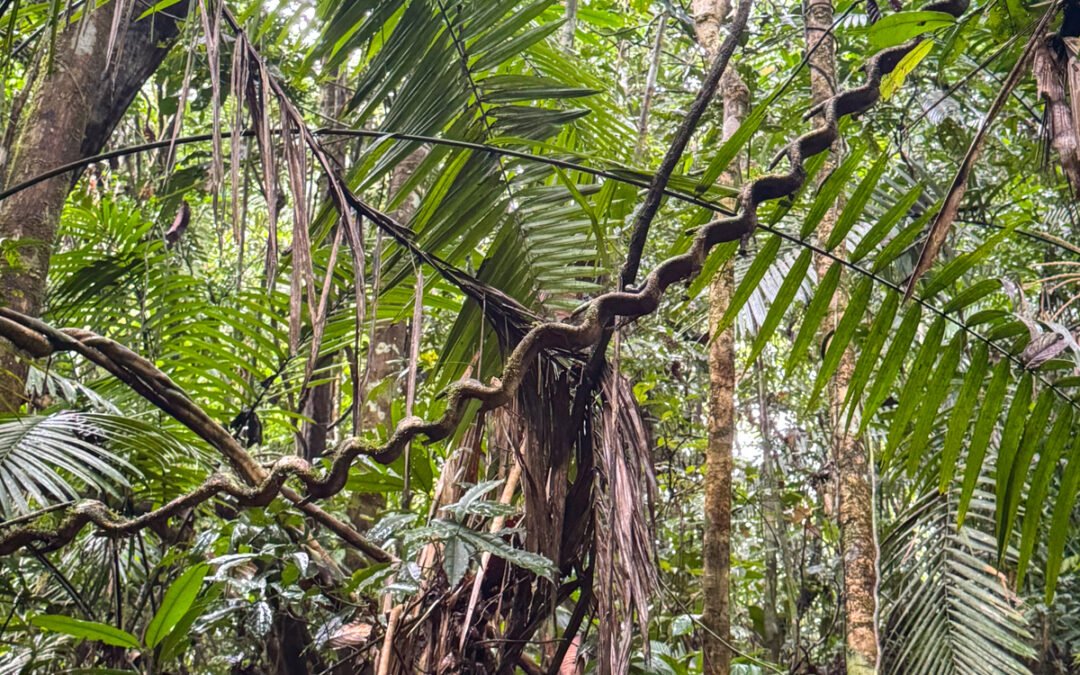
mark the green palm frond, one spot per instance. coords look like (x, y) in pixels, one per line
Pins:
(948, 608)
(50, 458)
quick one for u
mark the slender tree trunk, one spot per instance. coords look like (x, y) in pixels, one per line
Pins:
(322, 402)
(775, 532)
(570, 27)
(388, 349)
(855, 504)
(70, 114)
(650, 88)
(709, 16)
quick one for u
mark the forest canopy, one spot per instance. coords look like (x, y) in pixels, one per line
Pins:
(539, 336)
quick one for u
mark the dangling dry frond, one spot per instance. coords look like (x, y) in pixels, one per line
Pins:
(544, 403)
(237, 86)
(625, 565)
(302, 280)
(1072, 75)
(258, 85)
(1058, 127)
(211, 24)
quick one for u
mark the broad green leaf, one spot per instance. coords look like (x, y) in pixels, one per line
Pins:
(980, 437)
(1061, 520)
(853, 209)
(936, 390)
(830, 190)
(886, 223)
(813, 166)
(516, 45)
(892, 82)
(495, 544)
(456, 559)
(780, 304)
(762, 262)
(960, 418)
(890, 365)
(177, 601)
(897, 28)
(179, 638)
(815, 313)
(1007, 330)
(869, 353)
(719, 255)
(89, 630)
(1013, 467)
(501, 29)
(1040, 486)
(509, 88)
(911, 396)
(841, 338)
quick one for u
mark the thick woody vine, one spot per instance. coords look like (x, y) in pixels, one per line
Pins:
(39, 340)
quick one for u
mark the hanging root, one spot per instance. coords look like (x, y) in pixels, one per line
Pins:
(39, 340)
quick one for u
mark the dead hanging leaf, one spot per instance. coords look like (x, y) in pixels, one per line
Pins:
(258, 104)
(623, 499)
(211, 24)
(1041, 349)
(350, 635)
(237, 86)
(947, 215)
(179, 224)
(1072, 75)
(1058, 127)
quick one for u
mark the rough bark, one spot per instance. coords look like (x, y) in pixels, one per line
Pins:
(855, 504)
(709, 16)
(70, 114)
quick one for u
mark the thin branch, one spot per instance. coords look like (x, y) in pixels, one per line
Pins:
(626, 176)
(647, 211)
(947, 215)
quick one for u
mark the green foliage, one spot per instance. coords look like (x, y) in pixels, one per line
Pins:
(963, 394)
(175, 604)
(90, 630)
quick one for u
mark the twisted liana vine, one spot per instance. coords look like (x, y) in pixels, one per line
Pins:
(264, 484)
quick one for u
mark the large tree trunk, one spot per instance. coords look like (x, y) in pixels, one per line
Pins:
(855, 504)
(709, 17)
(71, 113)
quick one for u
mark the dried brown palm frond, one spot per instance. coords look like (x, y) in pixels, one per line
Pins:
(1059, 129)
(1072, 75)
(544, 405)
(625, 492)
